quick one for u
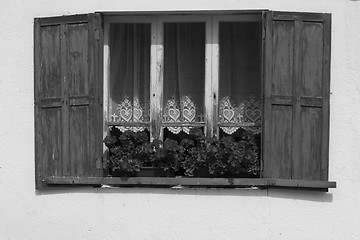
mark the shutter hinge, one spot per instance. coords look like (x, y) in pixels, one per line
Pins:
(97, 34)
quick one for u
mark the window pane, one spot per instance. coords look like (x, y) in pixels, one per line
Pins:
(129, 88)
(184, 74)
(240, 74)
(240, 91)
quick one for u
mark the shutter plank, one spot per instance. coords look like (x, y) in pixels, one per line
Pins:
(267, 73)
(312, 59)
(308, 166)
(292, 16)
(296, 141)
(326, 99)
(39, 165)
(52, 151)
(280, 144)
(80, 159)
(77, 57)
(77, 47)
(50, 62)
(48, 21)
(284, 41)
(95, 61)
(66, 163)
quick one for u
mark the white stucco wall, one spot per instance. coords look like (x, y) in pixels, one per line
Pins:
(88, 213)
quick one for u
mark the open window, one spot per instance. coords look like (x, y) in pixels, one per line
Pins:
(233, 93)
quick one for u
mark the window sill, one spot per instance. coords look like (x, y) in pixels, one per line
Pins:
(193, 182)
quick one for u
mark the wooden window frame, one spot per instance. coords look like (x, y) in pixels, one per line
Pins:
(212, 61)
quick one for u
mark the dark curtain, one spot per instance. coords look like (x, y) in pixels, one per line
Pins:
(240, 73)
(184, 72)
(129, 72)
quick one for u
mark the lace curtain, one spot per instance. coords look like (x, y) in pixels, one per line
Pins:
(129, 89)
(240, 74)
(184, 74)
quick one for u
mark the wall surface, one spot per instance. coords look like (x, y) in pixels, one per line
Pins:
(88, 213)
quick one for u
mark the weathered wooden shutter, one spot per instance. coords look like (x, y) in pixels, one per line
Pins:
(68, 96)
(296, 95)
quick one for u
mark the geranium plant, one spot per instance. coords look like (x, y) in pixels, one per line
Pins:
(127, 151)
(195, 156)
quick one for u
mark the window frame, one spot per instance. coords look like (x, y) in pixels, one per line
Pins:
(211, 96)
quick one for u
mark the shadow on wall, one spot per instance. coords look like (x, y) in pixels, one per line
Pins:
(295, 194)
(314, 196)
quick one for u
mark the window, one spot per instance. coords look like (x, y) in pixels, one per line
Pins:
(201, 57)
(261, 72)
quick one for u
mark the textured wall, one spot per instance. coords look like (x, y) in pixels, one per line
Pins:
(87, 213)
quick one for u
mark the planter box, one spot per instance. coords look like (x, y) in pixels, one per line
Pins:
(201, 172)
(154, 172)
(122, 173)
(144, 172)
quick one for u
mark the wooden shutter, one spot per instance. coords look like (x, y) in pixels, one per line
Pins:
(296, 95)
(68, 96)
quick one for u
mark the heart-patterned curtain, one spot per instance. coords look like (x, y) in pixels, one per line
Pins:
(129, 90)
(240, 74)
(247, 112)
(185, 112)
(184, 74)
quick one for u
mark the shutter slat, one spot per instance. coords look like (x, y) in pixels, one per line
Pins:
(303, 16)
(52, 150)
(39, 165)
(284, 43)
(66, 162)
(326, 99)
(309, 148)
(279, 146)
(296, 141)
(48, 21)
(51, 61)
(77, 49)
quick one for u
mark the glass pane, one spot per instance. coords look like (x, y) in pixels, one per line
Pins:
(240, 74)
(184, 73)
(129, 88)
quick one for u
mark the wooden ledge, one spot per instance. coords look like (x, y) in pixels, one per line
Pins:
(192, 182)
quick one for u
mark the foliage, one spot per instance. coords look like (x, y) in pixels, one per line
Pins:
(168, 155)
(195, 152)
(129, 151)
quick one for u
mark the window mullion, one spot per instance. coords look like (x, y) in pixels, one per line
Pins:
(106, 80)
(215, 74)
(156, 78)
(208, 79)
